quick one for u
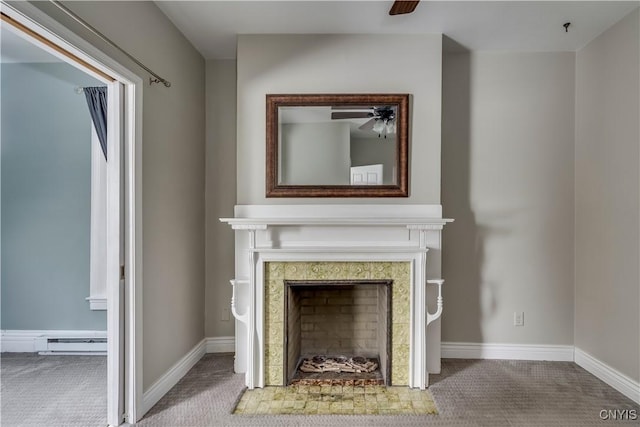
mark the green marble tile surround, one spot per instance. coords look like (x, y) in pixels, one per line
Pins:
(277, 272)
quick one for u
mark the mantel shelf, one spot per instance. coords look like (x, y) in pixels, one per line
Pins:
(337, 221)
(343, 249)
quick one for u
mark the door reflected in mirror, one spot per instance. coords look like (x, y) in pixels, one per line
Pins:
(337, 145)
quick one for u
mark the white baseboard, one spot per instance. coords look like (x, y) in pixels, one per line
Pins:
(171, 377)
(609, 375)
(220, 344)
(26, 341)
(464, 350)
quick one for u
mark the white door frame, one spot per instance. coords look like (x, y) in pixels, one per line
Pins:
(124, 234)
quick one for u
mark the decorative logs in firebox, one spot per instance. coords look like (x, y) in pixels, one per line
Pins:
(337, 364)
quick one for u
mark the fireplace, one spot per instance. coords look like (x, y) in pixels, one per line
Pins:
(286, 254)
(324, 292)
(337, 331)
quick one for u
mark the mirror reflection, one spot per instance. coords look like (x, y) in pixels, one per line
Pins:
(337, 145)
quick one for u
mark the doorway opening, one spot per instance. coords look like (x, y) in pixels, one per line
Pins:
(121, 245)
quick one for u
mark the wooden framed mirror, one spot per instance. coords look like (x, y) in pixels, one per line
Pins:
(337, 145)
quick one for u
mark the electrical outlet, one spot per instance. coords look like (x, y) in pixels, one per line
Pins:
(224, 314)
(518, 318)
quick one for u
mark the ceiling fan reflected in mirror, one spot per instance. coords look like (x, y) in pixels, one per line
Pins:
(401, 7)
(382, 120)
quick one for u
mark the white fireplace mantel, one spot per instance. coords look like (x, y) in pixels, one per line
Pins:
(262, 223)
(356, 215)
(329, 233)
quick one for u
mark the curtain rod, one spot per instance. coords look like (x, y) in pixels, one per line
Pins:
(85, 24)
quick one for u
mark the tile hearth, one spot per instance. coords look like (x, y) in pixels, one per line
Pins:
(336, 400)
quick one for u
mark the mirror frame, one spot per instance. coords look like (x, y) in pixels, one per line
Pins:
(401, 189)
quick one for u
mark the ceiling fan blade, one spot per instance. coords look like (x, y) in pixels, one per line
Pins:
(352, 107)
(401, 7)
(351, 115)
(368, 125)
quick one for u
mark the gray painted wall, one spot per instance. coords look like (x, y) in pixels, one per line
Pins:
(607, 214)
(220, 194)
(46, 199)
(512, 251)
(315, 153)
(290, 64)
(173, 130)
(339, 63)
(371, 151)
(507, 179)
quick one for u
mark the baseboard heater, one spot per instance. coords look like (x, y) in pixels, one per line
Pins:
(71, 346)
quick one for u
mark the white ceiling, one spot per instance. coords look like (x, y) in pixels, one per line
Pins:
(212, 26)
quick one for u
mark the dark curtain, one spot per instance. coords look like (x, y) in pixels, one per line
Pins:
(97, 102)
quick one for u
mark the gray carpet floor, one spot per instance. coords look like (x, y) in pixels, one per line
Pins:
(467, 392)
(53, 390)
(70, 391)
